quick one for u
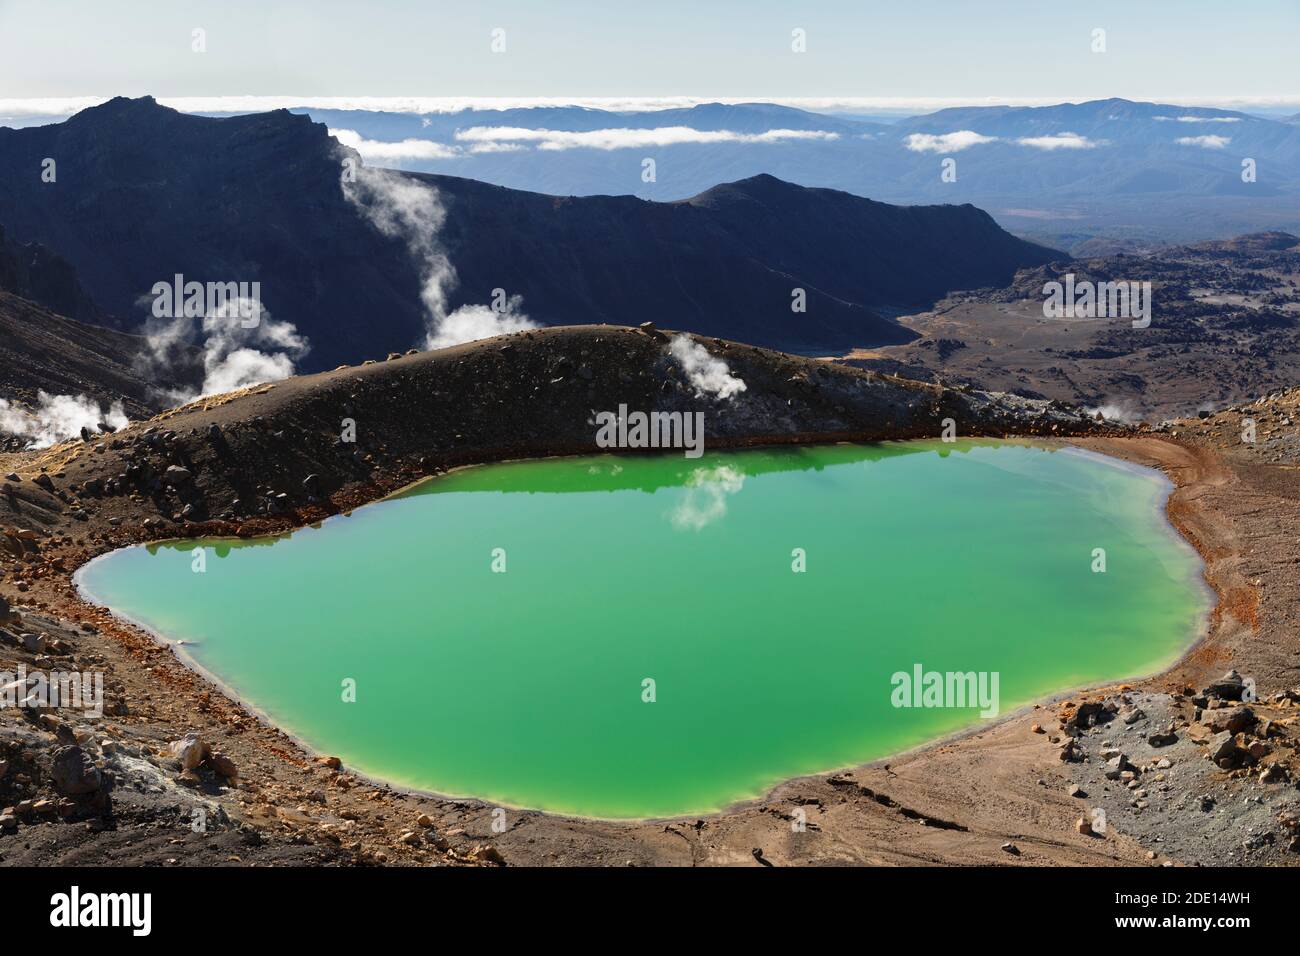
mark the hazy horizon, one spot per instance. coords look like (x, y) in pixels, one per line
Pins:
(860, 56)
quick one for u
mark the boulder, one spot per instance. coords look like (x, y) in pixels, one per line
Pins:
(1199, 733)
(223, 766)
(73, 772)
(487, 853)
(1232, 719)
(190, 751)
(1088, 714)
(1163, 738)
(1222, 747)
(175, 475)
(1230, 686)
(1116, 767)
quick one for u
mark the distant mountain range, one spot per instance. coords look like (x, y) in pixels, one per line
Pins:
(143, 192)
(1116, 168)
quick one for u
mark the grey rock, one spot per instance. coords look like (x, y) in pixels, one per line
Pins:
(1232, 719)
(1230, 686)
(1222, 746)
(73, 772)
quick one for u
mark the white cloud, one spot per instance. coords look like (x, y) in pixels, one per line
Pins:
(1199, 119)
(1060, 141)
(497, 147)
(550, 139)
(1207, 142)
(946, 142)
(509, 139)
(379, 151)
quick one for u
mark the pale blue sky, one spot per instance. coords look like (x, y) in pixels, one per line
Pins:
(1188, 50)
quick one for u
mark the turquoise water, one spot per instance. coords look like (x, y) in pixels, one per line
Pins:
(527, 686)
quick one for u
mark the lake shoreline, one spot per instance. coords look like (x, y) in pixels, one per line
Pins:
(394, 783)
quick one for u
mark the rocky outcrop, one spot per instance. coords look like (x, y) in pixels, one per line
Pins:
(314, 444)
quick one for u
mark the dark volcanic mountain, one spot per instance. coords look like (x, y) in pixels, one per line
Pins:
(41, 351)
(144, 192)
(31, 271)
(724, 262)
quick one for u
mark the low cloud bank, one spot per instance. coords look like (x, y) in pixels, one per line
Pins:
(609, 139)
(1205, 142)
(380, 151)
(946, 142)
(961, 139)
(508, 139)
(1060, 141)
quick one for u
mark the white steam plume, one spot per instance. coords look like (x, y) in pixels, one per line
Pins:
(1122, 411)
(412, 211)
(57, 418)
(235, 355)
(709, 376)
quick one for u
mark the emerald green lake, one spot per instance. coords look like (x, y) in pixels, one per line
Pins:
(526, 687)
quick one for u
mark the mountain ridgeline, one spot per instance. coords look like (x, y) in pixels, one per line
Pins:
(143, 192)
